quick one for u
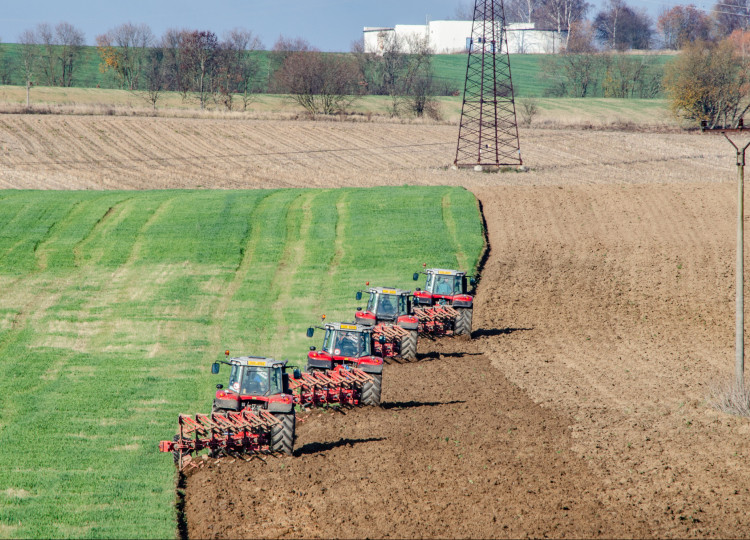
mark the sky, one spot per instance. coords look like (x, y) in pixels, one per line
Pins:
(330, 25)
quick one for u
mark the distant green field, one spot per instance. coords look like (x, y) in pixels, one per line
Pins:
(450, 70)
(115, 303)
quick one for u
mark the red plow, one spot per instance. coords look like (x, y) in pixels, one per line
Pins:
(243, 432)
(438, 320)
(264, 423)
(342, 385)
(391, 345)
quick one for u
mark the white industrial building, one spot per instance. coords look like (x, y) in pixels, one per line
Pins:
(448, 37)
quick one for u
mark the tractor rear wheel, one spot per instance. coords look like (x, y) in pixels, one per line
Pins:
(282, 434)
(463, 321)
(409, 346)
(371, 391)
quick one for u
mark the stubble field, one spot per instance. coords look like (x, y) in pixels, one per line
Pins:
(604, 316)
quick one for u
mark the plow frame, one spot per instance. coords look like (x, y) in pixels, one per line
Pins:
(244, 431)
(437, 320)
(341, 385)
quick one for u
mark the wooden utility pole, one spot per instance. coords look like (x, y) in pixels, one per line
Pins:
(739, 333)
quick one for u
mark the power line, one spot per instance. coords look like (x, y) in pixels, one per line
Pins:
(223, 156)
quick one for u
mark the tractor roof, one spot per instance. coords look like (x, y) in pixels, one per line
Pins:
(352, 327)
(388, 290)
(445, 271)
(256, 361)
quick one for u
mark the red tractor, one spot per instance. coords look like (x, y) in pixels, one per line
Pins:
(255, 414)
(349, 347)
(394, 326)
(444, 307)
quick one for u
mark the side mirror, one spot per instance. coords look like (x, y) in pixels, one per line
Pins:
(219, 386)
(359, 308)
(415, 277)
(215, 368)
(381, 339)
(310, 331)
(296, 373)
(312, 348)
(358, 296)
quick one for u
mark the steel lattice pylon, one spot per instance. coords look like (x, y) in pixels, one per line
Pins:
(488, 134)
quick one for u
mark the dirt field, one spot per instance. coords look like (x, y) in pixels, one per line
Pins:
(603, 318)
(109, 152)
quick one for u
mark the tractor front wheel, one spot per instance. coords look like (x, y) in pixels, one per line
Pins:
(282, 434)
(371, 391)
(409, 346)
(463, 322)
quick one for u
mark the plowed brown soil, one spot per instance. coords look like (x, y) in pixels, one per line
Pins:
(603, 319)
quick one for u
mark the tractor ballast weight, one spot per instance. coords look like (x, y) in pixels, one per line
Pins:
(444, 307)
(345, 370)
(395, 327)
(255, 414)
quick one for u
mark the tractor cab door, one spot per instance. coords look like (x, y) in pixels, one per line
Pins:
(403, 305)
(464, 285)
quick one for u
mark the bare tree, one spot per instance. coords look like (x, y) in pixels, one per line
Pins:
(581, 38)
(731, 15)
(321, 83)
(521, 11)
(238, 66)
(560, 15)
(30, 56)
(418, 82)
(200, 50)
(123, 50)
(154, 78)
(177, 78)
(620, 27)
(48, 63)
(280, 51)
(392, 66)
(627, 76)
(70, 41)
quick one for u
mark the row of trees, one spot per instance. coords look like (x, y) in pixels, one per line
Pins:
(199, 65)
(620, 26)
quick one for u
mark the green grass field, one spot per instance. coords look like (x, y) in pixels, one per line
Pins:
(114, 304)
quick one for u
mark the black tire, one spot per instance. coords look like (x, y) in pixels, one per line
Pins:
(371, 391)
(463, 321)
(409, 346)
(175, 452)
(282, 435)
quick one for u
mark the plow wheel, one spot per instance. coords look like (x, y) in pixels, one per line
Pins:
(371, 391)
(463, 322)
(175, 452)
(282, 434)
(409, 346)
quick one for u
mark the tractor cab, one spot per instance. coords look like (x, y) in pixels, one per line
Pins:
(256, 382)
(385, 305)
(344, 343)
(444, 287)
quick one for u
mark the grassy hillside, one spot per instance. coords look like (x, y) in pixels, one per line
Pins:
(115, 303)
(450, 71)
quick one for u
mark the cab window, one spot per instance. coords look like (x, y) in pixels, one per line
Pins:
(276, 381)
(328, 340)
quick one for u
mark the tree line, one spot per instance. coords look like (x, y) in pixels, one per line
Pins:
(226, 71)
(619, 26)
